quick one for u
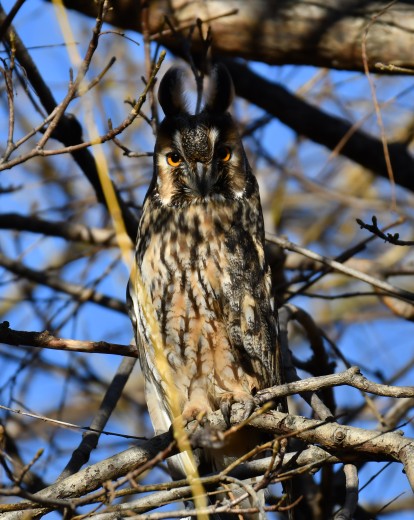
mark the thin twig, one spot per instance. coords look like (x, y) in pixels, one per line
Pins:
(97, 79)
(392, 238)
(349, 271)
(90, 440)
(67, 425)
(341, 258)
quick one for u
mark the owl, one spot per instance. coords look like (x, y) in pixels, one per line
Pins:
(200, 264)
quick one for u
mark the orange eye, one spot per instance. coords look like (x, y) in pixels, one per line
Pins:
(224, 154)
(174, 159)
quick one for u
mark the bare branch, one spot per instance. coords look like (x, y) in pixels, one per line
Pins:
(351, 490)
(349, 271)
(45, 339)
(90, 440)
(67, 230)
(350, 377)
(331, 436)
(321, 35)
(321, 127)
(392, 238)
(78, 292)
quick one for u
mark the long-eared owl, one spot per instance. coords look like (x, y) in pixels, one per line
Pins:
(200, 258)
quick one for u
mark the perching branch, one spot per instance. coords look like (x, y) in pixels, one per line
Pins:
(351, 377)
(336, 438)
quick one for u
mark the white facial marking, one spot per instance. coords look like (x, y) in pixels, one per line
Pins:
(200, 168)
(213, 135)
(178, 143)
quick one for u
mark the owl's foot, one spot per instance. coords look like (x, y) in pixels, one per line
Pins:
(228, 400)
(200, 437)
(195, 411)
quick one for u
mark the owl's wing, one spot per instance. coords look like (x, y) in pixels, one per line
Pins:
(158, 408)
(154, 394)
(249, 310)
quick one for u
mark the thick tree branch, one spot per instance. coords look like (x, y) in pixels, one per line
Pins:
(343, 22)
(92, 477)
(310, 458)
(322, 34)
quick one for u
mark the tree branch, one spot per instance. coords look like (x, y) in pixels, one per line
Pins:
(90, 439)
(78, 292)
(336, 438)
(321, 127)
(344, 269)
(351, 377)
(67, 230)
(301, 32)
(65, 127)
(45, 339)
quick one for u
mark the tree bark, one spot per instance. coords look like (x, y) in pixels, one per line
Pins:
(302, 32)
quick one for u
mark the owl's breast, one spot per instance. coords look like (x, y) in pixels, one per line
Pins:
(204, 279)
(186, 257)
(184, 270)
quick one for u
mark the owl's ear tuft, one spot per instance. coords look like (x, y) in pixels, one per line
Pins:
(171, 92)
(221, 90)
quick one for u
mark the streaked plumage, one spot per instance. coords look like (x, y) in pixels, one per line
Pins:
(200, 255)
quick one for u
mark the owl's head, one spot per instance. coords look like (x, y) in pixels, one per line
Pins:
(198, 157)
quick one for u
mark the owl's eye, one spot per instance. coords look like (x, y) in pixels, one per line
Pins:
(174, 159)
(224, 153)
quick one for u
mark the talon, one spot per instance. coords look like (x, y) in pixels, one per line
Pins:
(249, 407)
(225, 407)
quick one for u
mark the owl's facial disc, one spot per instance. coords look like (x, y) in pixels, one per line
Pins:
(199, 159)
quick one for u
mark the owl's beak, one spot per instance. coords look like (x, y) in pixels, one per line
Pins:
(203, 178)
